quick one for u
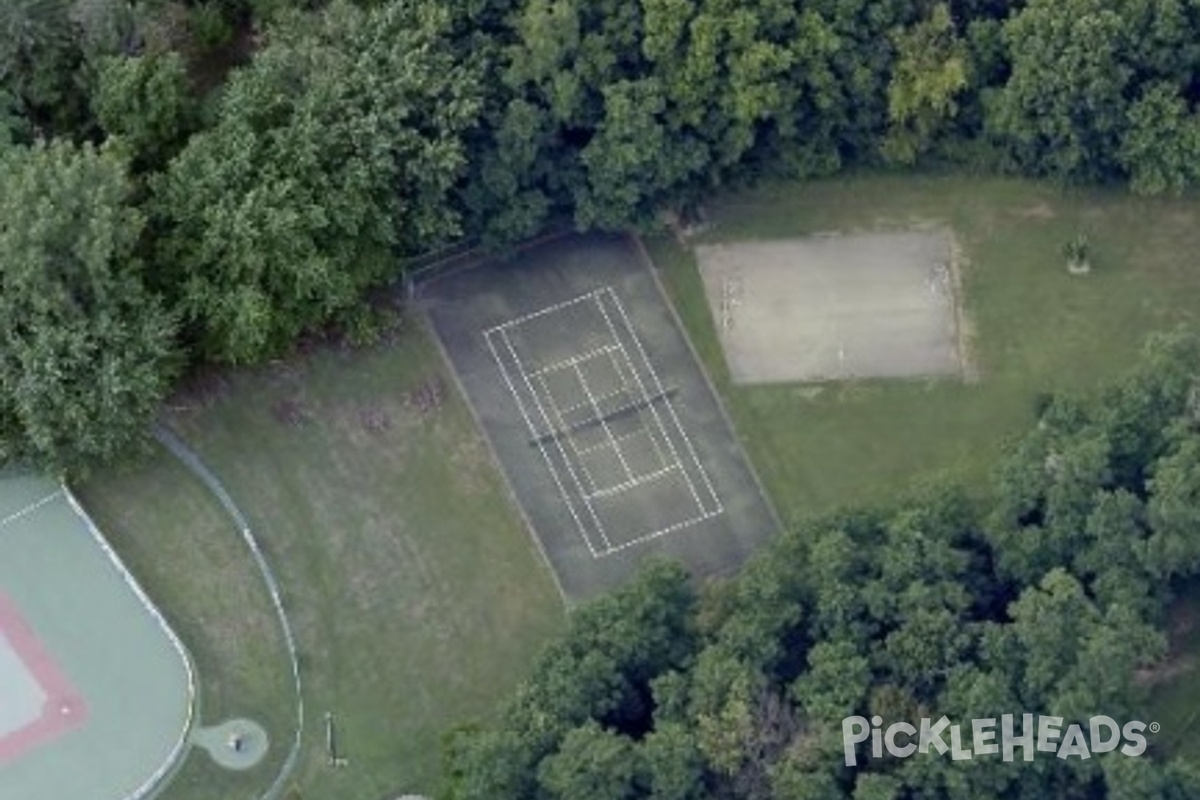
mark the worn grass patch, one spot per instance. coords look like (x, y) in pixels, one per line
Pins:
(417, 598)
(1175, 684)
(1031, 326)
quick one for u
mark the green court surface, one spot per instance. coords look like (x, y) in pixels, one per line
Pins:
(95, 690)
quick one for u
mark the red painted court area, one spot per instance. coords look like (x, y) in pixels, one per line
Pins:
(28, 674)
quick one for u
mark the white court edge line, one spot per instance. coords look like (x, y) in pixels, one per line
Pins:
(558, 442)
(612, 440)
(666, 400)
(155, 780)
(541, 446)
(612, 331)
(661, 532)
(574, 361)
(562, 425)
(29, 509)
(543, 311)
(634, 483)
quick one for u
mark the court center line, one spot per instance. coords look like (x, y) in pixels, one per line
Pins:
(541, 446)
(667, 401)
(570, 468)
(642, 431)
(646, 398)
(604, 424)
(566, 433)
(658, 450)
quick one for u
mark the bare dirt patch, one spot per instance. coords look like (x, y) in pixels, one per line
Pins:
(1038, 211)
(836, 307)
(1178, 661)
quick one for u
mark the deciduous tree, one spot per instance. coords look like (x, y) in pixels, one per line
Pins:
(85, 350)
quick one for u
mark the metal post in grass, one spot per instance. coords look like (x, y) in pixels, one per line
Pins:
(331, 743)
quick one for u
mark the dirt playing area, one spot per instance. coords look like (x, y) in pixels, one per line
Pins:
(835, 307)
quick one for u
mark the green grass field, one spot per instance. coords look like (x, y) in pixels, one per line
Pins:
(416, 596)
(178, 542)
(1035, 329)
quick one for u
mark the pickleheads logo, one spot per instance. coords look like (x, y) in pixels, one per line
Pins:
(1101, 734)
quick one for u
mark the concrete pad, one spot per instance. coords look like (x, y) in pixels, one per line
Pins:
(835, 307)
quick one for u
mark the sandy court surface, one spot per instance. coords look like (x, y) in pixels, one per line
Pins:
(834, 307)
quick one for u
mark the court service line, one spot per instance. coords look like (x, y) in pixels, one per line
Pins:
(646, 396)
(601, 398)
(570, 468)
(541, 445)
(573, 361)
(603, 424)
(641, 480)
(542, 312)
(670, 408)
(566, 433)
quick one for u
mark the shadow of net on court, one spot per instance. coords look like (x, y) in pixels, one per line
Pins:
(601, 418)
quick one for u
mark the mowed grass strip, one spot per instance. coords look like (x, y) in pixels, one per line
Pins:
(181, 547)
(1033, 327)
(417, 597)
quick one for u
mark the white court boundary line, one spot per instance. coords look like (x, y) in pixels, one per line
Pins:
(487, 335)
(574, 362)
(666, 401)
(562, 425)
(29, 509)
(557, 441)
(618, 346)
(612, 441)
(155, 781)
(543, 311)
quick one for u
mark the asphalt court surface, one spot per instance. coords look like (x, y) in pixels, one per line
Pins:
(600, 416)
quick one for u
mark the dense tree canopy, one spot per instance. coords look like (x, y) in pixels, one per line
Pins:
(1045, 601)
(288, 154)
(332, 154)
(84, 349)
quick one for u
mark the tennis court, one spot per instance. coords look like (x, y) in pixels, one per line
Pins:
(608, 432)
(95, 690)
